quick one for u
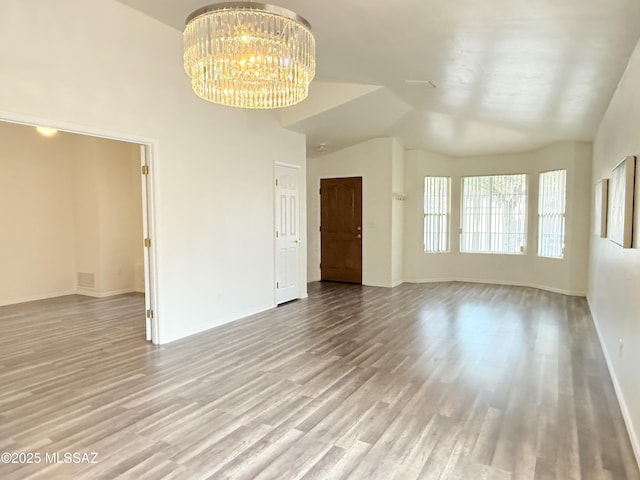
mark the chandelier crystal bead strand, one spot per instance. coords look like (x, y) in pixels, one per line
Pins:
(249, 55)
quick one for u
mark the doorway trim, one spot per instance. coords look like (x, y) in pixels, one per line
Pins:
(148, 212)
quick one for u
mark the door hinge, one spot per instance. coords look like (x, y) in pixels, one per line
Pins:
(149, 313)
(276, 182)
(147, 242)
(320, 191)
(320, 228)
(277, 235)
(277, 284)
(145, 170)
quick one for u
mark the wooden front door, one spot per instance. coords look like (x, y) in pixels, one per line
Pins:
(341, 229)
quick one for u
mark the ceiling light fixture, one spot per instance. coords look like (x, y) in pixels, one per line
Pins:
(249, 55)
(46, 131)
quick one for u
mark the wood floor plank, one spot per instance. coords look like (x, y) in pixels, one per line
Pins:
(445, 381)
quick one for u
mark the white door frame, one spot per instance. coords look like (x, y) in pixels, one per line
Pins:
(146, 155)
(298, 169)
(151, 148)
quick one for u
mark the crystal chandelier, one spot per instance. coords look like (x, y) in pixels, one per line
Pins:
(249, 55)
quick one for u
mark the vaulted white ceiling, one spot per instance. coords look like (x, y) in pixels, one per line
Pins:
(510, 75)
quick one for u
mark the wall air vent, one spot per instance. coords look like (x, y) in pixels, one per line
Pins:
(86, 280)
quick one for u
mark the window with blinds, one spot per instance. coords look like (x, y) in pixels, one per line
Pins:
(494, 213)
(436, 213)
(552, 199)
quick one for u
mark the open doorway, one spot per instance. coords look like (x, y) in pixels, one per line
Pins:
(76, 219)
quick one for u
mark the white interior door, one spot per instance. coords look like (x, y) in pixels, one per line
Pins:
(287, 233)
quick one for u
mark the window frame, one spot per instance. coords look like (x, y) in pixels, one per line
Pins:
(447, 215)
(563, 215)
(524, 247)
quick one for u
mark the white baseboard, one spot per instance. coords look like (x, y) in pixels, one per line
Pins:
(383, 285)
(525, 284)
(92, 293)
(162, 340)
(376, 284)
(430, 280)
(78, 291)
(495, 282)
(547, 288)
(35, 298)
(635, 441)
(570, 293)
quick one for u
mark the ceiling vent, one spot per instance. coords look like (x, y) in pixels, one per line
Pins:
(420, 83)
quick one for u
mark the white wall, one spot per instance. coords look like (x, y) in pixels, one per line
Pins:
(100, 66)
(37, 222)
(86, 198)
(397, 213)
(567, 275)
(108, 210)
(614, 279)
(372, 161)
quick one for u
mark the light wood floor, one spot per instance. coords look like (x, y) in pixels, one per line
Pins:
(450, 381)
